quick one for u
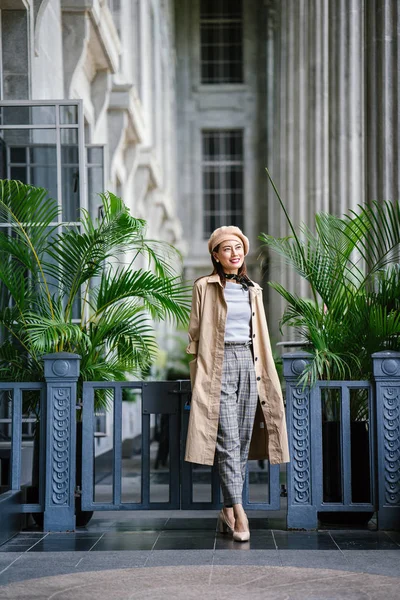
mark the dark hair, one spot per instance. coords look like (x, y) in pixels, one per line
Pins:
(220, 271)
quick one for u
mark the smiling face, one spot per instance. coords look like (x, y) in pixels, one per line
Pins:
(231, 255)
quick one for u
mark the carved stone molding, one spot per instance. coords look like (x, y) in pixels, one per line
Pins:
(300, 447)
(90, 40)
(386, 370)
(391, 442)
(61, 372)
(61, 445)
(100, 91)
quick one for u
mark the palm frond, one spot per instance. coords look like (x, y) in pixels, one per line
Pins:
(162, 297)
(351, 266)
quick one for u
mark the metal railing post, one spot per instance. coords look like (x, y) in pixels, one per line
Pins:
(61, 372)
(302, 510)
(386, 370)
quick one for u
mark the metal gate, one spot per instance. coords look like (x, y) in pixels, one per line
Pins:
(152, 474)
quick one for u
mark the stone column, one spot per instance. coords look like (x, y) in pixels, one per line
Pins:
(302, 511)
(317, 147)
(383, 101)
(346, 105)
(297, 122)
(386, 368)
(61, 371)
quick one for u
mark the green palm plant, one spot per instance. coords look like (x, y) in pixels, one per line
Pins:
(77, 289)
(351, 266)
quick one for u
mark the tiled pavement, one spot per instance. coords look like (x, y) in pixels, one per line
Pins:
(137, 552)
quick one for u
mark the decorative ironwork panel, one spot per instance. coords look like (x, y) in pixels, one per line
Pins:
(301, 451)
(386, 368)
(61, 372)
(60, 447)
(391, 426)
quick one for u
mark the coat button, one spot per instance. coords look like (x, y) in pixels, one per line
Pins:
(254, 314)
(254, 335)
(263, 402)
(256, 358)
(258, 378)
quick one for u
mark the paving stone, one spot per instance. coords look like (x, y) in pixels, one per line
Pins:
(216, 583)
(255, 557)
(382, 562)
(321, 559)
(112, 560)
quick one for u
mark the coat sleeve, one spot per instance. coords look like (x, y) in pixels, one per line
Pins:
(194, 321)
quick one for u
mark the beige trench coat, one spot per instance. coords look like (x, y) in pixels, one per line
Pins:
(206, 342)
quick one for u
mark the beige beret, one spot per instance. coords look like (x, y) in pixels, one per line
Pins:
(222, 234)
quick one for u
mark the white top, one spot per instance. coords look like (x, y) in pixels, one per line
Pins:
(238, 319)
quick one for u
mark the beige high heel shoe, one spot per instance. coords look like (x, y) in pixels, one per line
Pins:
(223, 524)
(242, 536)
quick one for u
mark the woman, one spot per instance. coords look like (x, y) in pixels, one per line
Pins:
(237, 408)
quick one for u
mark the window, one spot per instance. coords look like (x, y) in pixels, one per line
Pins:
(222, 165)
(42, 144)
(95, 177)
(221, 41)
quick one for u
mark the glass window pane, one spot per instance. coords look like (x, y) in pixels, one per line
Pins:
(222, 178)
(18, 155)
(41, 154)
(15, 137)
(221, 42)
(95, 187)
(45, 177)
(68, 115)
(31, 157)
(70, 175)
(19, 173)
(219, 9)
(28, 115)
(95, 155)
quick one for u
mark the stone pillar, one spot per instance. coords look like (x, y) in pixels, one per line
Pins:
(302, 511)
(346, 105)
(317, 162)
(61, 371)
(386, 369)
(383, 101)
(297, 106)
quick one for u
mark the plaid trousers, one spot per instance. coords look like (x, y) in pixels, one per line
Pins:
(236, 419)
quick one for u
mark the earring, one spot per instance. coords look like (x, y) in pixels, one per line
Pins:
(217, 259)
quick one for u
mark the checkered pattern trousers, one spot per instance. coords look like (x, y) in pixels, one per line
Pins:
(236, 419)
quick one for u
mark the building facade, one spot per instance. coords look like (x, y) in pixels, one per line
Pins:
(117, 57)
(177, 106)
(88, 100)
(183, 103)
(311, 90)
